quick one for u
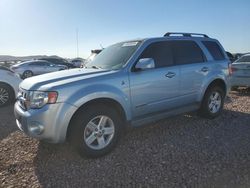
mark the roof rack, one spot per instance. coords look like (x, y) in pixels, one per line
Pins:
(168, 34)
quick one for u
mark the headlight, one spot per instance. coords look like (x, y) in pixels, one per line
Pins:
(37, 99)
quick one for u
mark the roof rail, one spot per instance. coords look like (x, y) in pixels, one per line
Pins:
(168, 34)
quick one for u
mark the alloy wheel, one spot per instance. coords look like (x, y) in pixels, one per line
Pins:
(4, 96)
(99, 132)
(214, 102)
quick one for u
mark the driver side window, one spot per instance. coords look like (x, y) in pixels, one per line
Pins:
(161, 52)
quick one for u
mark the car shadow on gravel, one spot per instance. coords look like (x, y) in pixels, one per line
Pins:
(7, 122)
(180, 151)
(242, 92)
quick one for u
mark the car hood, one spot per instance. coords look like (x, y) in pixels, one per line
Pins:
(52, 80)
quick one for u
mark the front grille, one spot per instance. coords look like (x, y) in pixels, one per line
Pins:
(22, 98)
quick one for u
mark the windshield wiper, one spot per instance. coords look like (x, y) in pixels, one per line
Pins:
(93, 67)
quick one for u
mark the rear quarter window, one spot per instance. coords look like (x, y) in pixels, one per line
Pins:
(214, 49)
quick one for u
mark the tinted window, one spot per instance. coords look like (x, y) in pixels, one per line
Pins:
(244, 59)
(34, 63)
(186, 52)
(161, 52)
(40, 63)
(214, 49)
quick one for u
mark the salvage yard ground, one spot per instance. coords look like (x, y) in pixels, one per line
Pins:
(183, 151)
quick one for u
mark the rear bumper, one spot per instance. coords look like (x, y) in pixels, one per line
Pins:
(49, 123)
(240, 81)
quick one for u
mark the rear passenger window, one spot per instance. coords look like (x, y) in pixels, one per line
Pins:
(214, 49)
(161, 52)
(186, 52)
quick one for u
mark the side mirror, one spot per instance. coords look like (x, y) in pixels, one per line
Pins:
(145, 63)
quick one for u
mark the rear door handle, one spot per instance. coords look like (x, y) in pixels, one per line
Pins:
(170, 74)
(205, 69)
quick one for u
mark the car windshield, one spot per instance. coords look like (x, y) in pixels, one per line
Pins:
(114, 56)
(90, 58)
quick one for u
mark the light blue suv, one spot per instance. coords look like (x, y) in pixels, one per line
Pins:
(128, 83)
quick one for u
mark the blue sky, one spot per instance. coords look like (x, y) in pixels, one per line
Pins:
(48, 27)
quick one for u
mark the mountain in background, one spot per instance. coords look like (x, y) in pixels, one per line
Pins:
(4, 58)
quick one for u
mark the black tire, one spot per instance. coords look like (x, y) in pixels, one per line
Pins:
(27, 74)
(79, 123)
(204, 110)
(7, 95)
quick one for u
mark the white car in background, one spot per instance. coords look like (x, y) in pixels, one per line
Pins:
(241, 72)
(9, 83)
(77, 62)
(36, 67)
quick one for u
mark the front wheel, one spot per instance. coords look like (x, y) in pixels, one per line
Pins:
(212, 103)
(95, 130)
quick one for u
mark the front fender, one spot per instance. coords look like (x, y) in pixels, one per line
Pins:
(90, 93)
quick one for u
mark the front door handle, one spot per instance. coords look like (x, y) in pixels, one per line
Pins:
(205, 69)
(170, 74)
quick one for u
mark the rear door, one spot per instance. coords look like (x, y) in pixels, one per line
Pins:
(155, 89)
(193, 69)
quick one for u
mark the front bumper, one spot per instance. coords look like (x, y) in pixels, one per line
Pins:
(49, 123)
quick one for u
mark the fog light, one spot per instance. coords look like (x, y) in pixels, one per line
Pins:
(35, 128)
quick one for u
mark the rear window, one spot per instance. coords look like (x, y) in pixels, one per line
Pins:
(244, 59)
(187, 52)
(214, 49)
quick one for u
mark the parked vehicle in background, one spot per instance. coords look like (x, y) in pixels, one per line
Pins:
(77, 62)
(231, 57)
(128, 83)
(58, 61)
(9, 83)
(241, 72)
(36, 67)
(93, 54)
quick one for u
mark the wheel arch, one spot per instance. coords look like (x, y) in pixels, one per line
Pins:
(104, 101)
(10, 86)
(216, 82)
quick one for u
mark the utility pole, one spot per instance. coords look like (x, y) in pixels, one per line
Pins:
(77, 47)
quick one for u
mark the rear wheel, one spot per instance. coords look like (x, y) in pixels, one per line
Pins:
(27, 74)
(95, 130)
(212, 103)
(6, 95)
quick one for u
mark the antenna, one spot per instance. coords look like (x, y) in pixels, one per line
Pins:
(77, 47)
(101, 46)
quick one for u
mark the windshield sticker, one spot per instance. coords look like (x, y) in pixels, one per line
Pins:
(129, 44)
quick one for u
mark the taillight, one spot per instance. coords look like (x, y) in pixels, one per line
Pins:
(231, 69)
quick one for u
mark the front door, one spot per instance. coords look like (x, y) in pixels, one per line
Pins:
(157, 89)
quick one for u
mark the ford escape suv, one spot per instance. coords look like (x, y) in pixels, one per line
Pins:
(128, 83)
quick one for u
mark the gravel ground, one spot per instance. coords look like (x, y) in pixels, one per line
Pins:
(183, 151)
